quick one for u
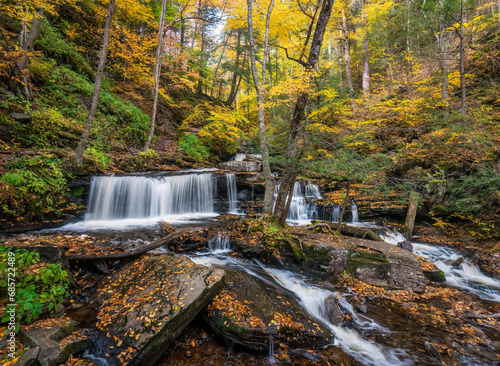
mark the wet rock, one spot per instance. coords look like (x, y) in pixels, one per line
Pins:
(337, 265)
(245, 195)
(251, 312)
(55, 338)
(21, 117)
(6, 132)
(332, 310)
(406, 244)
(241, 166)
(458, 262)
(385, 265)
(28, 358)
(434, 274)
(147, 304)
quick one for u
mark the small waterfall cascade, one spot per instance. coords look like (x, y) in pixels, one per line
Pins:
(232, 193)
(300, 209)
(272, 360)
(145, 197)
(335, 215)
(465, 276)
(221, 243)
(312, 190)
(354, 211)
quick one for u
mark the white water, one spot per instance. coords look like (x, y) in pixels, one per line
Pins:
(466, 276)
(129, 201)
(312, 298)
(220, 244)
(301, 212)
(239, 157)
(232, 193)
(354, 211)
(335, 213)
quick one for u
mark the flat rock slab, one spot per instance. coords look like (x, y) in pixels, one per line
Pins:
(55, 338)
(145, 305)
(385, 265)
(252, 313)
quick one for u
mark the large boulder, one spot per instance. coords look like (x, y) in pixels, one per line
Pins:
(385, 265)
(252, 313)
(145, 305)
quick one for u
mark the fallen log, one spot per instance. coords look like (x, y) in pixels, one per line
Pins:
(482, 316)
(361, 232)
(135, 252)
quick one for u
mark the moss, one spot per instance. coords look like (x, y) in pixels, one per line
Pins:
(435, 275)
(359, 258)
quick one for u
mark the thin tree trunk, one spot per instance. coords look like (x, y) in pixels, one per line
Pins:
(97, 86)
(342, 211)
(411, 215)
(366, 55)
(347, 58)
(463, 108)
(234, 89)
(156, 73)
(296, 122)
(224, 42)
(266, 166)
(441, 40)
(19, 74)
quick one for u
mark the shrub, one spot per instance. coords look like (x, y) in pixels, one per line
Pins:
(35, 286)
(38, 186)
(193, 147)
(95, 160)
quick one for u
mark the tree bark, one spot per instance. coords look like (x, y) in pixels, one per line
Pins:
(266, 166)
(347, 59)
(463, 108)
(19, 75)
(441, 41)
(410, 215)
(224, 45)
(280, 210)
(97, 86)
(234, 89)
(366, 55)
(156, 73)
(342, 211)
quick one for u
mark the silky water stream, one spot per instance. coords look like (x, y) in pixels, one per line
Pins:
(129, 202)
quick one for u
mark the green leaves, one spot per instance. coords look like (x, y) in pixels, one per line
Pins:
(35, 287)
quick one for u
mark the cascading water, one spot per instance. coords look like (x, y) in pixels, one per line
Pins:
(335, 215)
(220, 244)
(465, 276)
(301, 211)
(232, 193)
(116, 201)
(354, 211)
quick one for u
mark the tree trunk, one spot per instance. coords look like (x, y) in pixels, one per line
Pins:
(366, 55)
(347, 58)
(234, 89)
(156, 73)
(463, 108)
(97, 86)
(266, 166)
(441, 41)
(410, 215)
(224, 44)
(342, 211)
(19, 75)
(298, 117)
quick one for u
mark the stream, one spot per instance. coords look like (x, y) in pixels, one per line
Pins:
(129, 203)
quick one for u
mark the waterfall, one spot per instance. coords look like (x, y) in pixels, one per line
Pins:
(466, 276)
(335, 213)
(232, 192)
(143, 197)
(220, 244)
(354, 210)
(312, 190)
